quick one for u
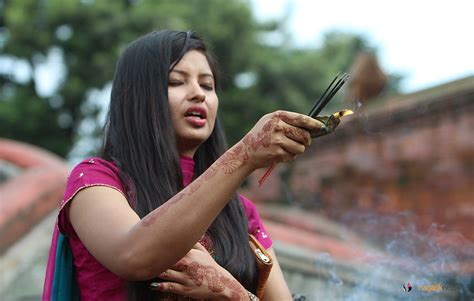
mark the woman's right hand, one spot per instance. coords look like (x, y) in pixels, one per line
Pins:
(277, 137)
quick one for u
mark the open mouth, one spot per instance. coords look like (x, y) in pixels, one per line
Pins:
(196, 116)
(196, 112)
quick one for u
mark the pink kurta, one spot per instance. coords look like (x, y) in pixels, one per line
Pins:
(95, 281)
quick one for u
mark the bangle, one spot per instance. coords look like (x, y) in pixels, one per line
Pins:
(252, 297)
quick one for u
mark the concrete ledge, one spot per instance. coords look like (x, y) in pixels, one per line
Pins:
(23, 265)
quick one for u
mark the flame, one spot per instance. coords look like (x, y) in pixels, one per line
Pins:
(342, 113)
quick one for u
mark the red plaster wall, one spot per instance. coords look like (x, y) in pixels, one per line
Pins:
(31, 195)
(414, 154)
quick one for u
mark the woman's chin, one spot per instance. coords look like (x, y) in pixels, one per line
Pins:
(190, 143)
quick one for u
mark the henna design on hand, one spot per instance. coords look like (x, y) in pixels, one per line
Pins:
(231, 160)
(216, 282)
(195, 273)
(198, 272)
(264, 136)
(239, 154)
(300, 119)
(298, 134)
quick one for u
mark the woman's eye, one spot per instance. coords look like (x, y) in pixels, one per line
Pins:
(174, 83)
(208, 87)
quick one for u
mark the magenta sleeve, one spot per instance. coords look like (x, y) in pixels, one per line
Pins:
(255, 225)
(90, 172)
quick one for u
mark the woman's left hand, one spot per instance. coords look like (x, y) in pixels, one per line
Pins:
(197, 275)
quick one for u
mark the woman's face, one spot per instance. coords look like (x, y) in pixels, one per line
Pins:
(193, 101)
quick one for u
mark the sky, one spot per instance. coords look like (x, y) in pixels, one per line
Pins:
(428, 42)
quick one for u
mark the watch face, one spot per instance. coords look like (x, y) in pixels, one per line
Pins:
(262, 256)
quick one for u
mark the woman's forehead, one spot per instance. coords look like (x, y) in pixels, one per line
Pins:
(193, 61)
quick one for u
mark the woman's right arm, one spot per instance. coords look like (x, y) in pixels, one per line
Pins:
(138, 249)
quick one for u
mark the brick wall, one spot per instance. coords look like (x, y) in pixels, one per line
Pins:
(413, 153)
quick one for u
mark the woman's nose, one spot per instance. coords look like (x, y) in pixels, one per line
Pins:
(197, 94)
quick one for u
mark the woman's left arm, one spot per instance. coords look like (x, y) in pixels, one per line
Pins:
(276, 287)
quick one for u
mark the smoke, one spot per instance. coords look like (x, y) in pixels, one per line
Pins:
(325, 261)
(438, 264)
(420, 163)
(364, 118)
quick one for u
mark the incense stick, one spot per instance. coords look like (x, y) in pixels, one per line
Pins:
(318, 102)
(328, 94)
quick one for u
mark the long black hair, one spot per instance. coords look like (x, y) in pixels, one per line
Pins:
(140, 138)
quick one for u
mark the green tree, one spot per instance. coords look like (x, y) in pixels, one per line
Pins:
(88, 36)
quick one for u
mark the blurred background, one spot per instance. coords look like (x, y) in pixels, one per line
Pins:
(385, 200)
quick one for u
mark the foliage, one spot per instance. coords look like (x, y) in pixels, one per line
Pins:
(89, 36)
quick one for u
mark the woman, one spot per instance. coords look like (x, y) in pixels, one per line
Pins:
(159, 206)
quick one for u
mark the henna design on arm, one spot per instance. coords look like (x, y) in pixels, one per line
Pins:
(239, 154)
(229, 162)
(232, 158)
(207, 175)
(251, 142)
(151, 217)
